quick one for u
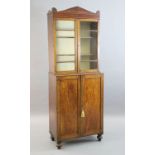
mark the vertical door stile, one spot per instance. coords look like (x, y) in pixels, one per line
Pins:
(81, 104)
(58, 109)
(79, 109)
(98, 45)
(76, 44)
(54, 45)
(79, 79)
(102, 103)
(78, 47)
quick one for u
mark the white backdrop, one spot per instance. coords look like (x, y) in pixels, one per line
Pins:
(111, 63)
(111, 50)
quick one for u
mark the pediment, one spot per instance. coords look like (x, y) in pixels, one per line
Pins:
(75, 12)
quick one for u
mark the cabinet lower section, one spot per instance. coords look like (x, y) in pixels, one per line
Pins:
(75, 106)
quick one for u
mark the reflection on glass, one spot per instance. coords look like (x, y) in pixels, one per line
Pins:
(65, 58)
(65, 66)
(85, 65)
(88, 37)
(65, 45)
(65, 33)
(64, 25)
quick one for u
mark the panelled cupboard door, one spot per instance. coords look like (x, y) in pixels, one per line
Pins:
(67, 96)
(91, 104)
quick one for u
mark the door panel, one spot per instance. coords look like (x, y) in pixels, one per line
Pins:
(68, 106)
(91, 104)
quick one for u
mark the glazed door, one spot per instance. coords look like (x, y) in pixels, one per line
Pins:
(88, 41)
(65, 46)
(91, 104)
(68, 111)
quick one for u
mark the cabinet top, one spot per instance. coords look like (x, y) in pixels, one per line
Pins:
(74, 12)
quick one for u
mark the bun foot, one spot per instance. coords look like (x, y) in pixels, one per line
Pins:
(99, 137)
(52, 138)
(59, 145)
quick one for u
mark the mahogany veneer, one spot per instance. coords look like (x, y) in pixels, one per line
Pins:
(75, 83)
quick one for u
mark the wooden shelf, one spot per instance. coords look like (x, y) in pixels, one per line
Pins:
(64, 61)
(91, 30)
(86, 37)
(64, 37)
(87, 54)
(65, 54)
(65, 30)
(89, 60)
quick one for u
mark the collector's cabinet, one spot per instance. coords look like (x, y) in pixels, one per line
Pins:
(75, 83)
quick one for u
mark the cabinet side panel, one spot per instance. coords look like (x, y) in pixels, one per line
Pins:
(52, 105)
(68, 107)
(91, 104)
(102, 103)
(51, 42)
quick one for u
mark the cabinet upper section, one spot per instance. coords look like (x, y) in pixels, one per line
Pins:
(73, 40)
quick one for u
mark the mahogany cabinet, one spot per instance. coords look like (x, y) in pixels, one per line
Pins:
(75, 83)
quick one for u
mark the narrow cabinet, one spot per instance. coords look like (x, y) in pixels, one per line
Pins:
(75, 82)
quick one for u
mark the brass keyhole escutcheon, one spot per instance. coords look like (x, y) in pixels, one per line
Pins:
(82, 113)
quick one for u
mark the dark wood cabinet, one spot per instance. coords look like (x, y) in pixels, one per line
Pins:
(75, 83)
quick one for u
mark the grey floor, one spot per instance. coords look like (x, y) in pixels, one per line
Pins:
(113, 142)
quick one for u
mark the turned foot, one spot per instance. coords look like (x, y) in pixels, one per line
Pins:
(59, 145)
(52, 138)
(99, 137)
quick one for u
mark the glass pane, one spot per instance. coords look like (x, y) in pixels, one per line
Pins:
(66, 66)
(65, 58)
(88, 65)
(65, 45)
(65, 33)
(88, 37)
(64, 24)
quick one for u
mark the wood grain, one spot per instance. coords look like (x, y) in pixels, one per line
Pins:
(52, 106)
(91, 103)
(68, 106)
(75, 12)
